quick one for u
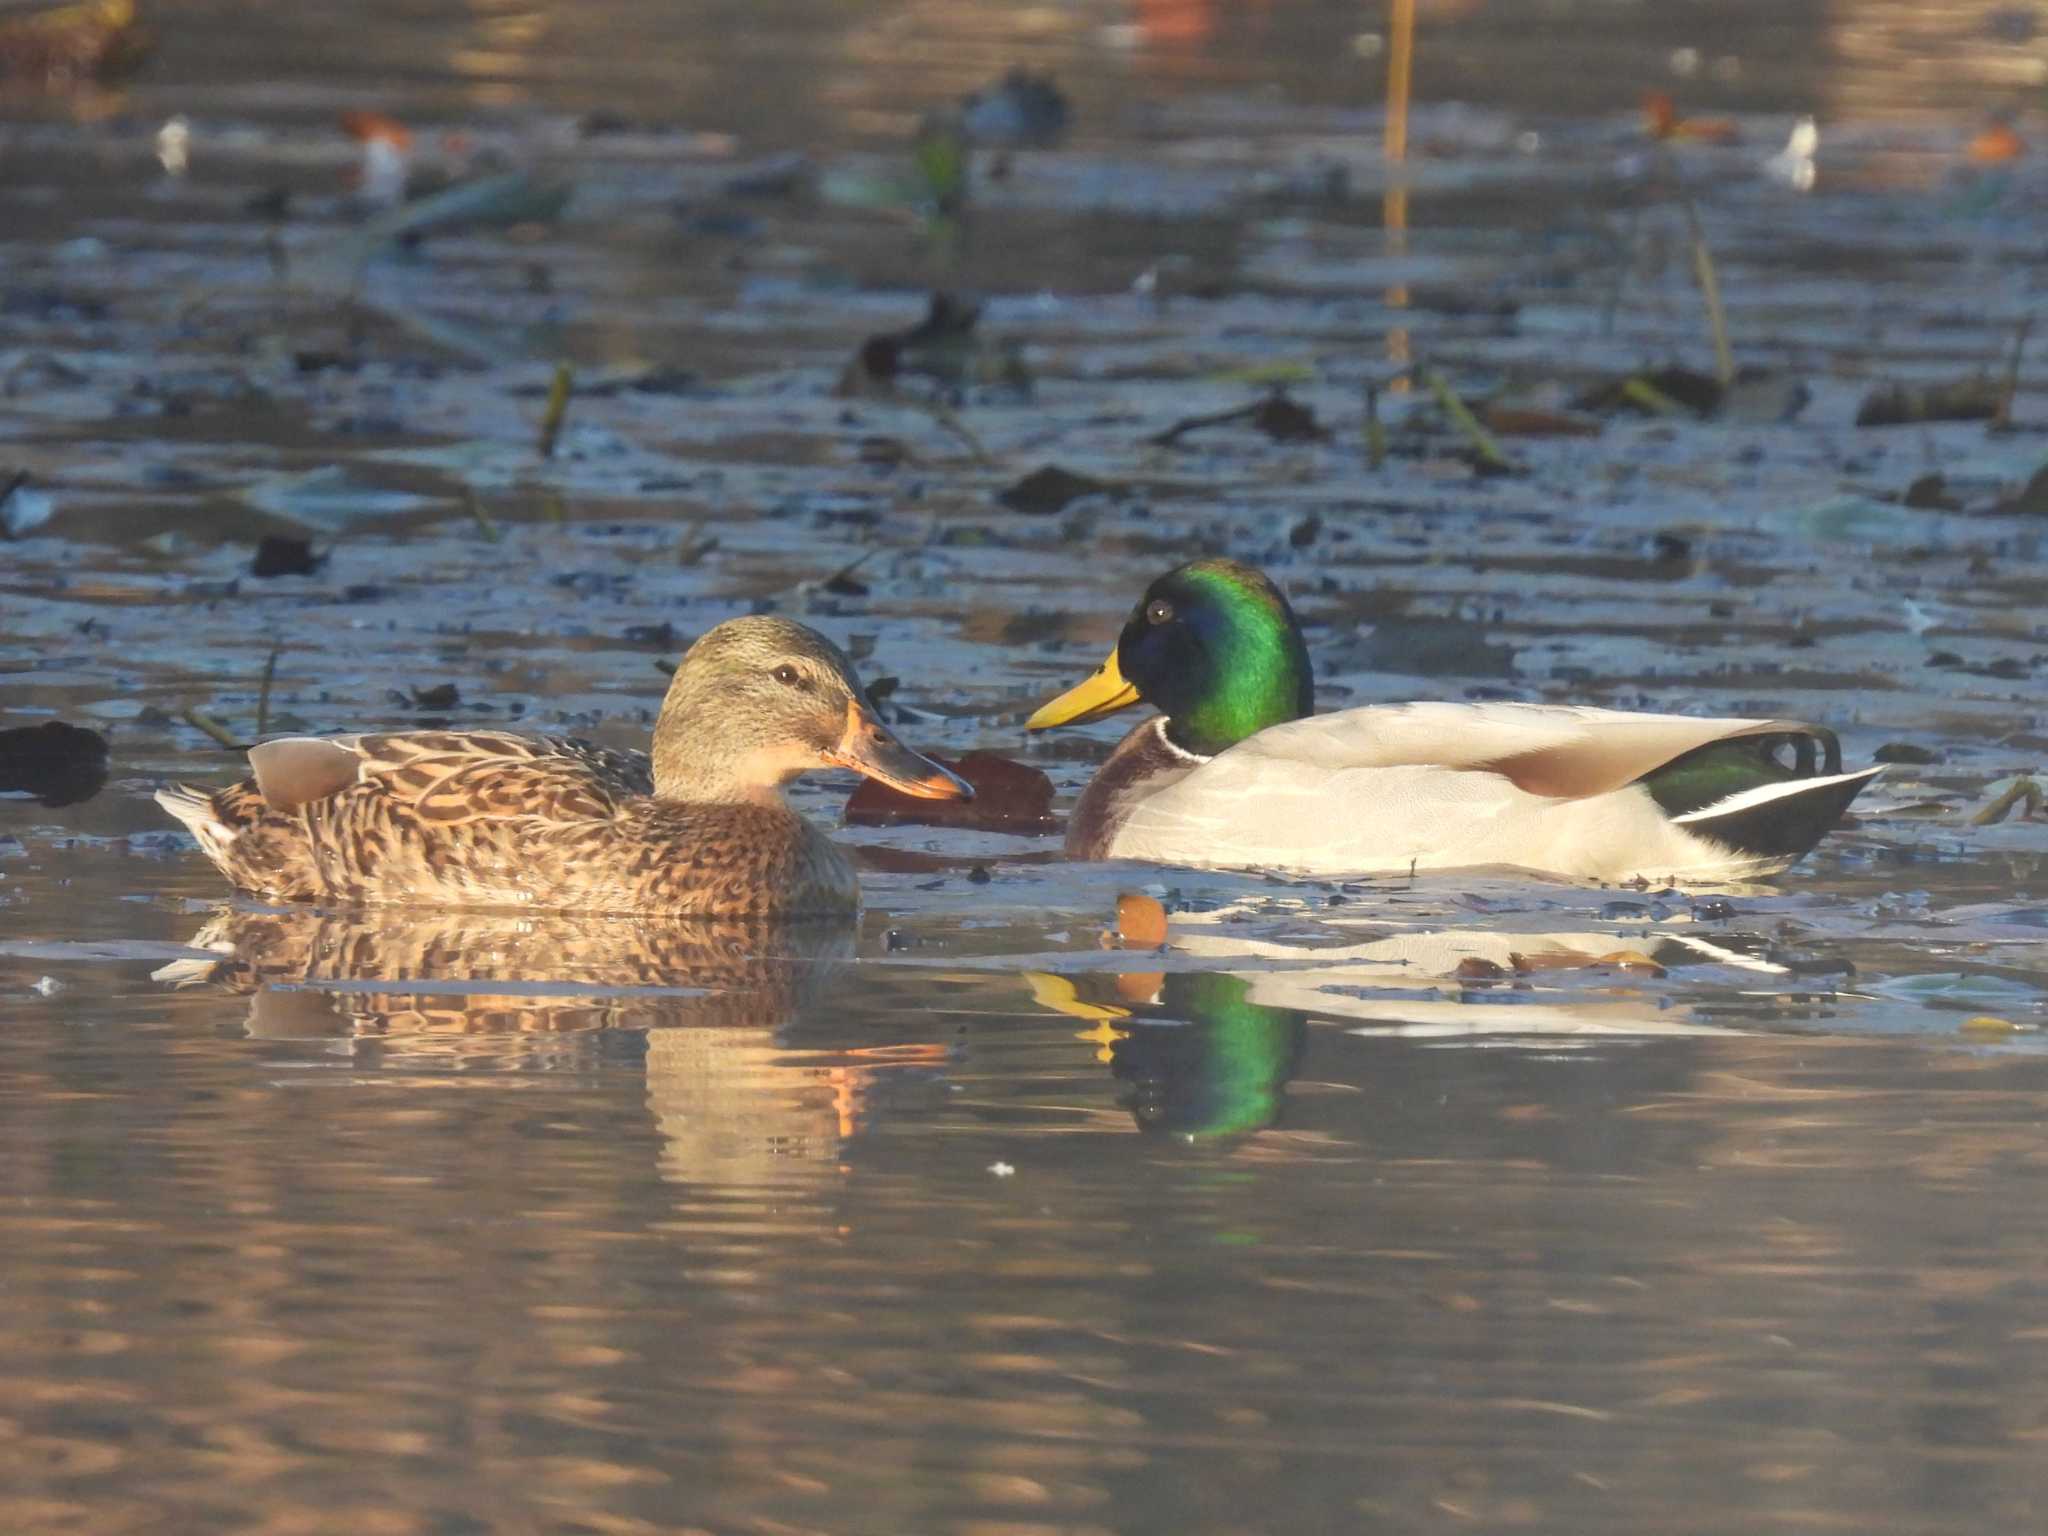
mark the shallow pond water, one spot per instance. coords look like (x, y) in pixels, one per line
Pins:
(1472, 1202)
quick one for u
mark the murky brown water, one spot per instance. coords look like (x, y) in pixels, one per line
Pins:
(1469, 1203)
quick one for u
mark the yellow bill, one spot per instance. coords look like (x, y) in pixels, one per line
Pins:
(1103, 692)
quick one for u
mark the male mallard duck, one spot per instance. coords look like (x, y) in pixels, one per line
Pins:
(490, 819)
(1237, 772)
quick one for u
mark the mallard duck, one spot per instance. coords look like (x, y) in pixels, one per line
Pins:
(1237, 771)
(489, 819)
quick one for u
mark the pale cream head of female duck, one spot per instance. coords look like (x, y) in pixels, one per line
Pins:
(757, 701)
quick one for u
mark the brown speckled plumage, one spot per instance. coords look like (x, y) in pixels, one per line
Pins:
(491, 819)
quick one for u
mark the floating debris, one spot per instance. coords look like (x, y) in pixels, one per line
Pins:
(281, 555)
(57, 763)
(1050, 488)
(1020, 111)
(1793, 165)
(22, 510)
(1976, 398)
(1008, 797)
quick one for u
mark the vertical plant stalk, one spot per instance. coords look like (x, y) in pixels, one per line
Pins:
(2002, 418)
(558, 408)
(1394, 152)
(1703, 272)
(263, 694)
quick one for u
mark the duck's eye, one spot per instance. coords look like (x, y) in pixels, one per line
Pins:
(1159, 611)
(788, 674)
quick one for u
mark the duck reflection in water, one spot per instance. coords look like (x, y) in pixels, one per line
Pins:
(1201, 1061)
(721, 1007)
(1208, 1055)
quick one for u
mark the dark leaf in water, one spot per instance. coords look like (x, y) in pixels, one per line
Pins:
(1905, 752)
(1896, 405)
(274, 203)
(1020, 111)
(1287, 421)
(2032, 500)
(871, 371)
(882, 687)
(281, 555)
(1929, 493)
(1533, 421)
(779, 176)
(1305, 532)
(1049, 488)
(1008, 797)
(440, 696)
(57, 763)
(1654, 392)
(846, 584)
(662, 634)
(883, 452)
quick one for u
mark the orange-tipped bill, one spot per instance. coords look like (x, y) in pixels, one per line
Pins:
(1103, 692)
(871, 748)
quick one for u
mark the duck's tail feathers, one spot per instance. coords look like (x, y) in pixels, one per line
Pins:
(196, 809)
(1779, 821)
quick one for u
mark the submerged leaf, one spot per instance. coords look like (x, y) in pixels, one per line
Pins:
(1008, 797)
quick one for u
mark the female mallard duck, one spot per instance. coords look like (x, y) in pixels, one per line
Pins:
(489, 819)
(1237, 772)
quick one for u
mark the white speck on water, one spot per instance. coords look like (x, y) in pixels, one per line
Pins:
(47, 986)
(1001, 1170)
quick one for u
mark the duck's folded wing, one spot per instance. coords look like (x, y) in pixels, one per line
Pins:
(1564, 751)
(450, 777)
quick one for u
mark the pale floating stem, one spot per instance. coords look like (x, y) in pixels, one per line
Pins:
(1375, 434)
(263, 693)
(209, 726)
(1651, 398)
(2022, 792)
(2002, 418)
(946, 417)
(1703, 271)
(1462, 418)
(558, 408)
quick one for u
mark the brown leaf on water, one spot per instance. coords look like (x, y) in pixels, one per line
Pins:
(2031, 499)
(1533, 421)
(280, 555)
(1288, 421)
(1976, 398)
(1049, 489)
(1930, 493)
(57, 763)
(1654, 392)
(1008, 797)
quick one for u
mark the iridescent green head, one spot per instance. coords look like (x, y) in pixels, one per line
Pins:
(1214, 647)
